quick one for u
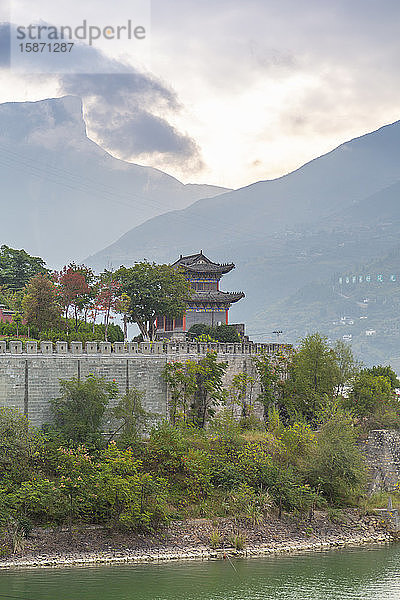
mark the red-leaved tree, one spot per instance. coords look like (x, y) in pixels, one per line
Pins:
(75, 291)
(107, 297)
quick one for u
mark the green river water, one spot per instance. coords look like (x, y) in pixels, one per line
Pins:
(367, 573)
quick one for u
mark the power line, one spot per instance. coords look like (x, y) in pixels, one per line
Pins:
(70, 180)
(74, 182)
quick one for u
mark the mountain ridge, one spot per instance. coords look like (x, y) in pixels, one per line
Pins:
(259, 200)
(336, 211)
(53, 173)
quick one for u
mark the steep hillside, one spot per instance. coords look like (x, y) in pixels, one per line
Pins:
(62, 196)
(254, 215)
(359, 305)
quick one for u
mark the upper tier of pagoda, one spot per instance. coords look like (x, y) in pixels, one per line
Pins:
(204, 276)
(199, 263)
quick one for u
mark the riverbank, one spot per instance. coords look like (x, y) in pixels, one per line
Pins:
(190, 540)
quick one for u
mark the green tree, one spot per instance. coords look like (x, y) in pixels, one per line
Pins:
(198, 329)
(41, 304)
(74, 283)
(122, 307)
(241, 394)
(153, 290)
(270, 373)
(19, 441)
(40, 500)
(77, 475)
(209, 391)
(17, 319)
(3, 296)
(11, 298)
(225, 334)
(136, 500)
(220, 333)
(369, 394)
(17, 267)
(347, 365)
(385, 371)
(336, 465)
(107, 297)
(297, 441)
(313, 376)
(181, 382)
(78, 412)
(134, 417)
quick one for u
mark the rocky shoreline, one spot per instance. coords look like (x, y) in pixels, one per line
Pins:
(190, 540)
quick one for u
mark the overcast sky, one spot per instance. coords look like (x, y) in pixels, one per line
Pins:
(234, 91)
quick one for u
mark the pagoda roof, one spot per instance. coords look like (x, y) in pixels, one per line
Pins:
(215, 297)
(199, 263)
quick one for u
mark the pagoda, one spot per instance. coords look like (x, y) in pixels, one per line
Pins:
(208, 304)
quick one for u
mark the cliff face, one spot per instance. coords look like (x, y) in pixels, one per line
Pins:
(62, 195)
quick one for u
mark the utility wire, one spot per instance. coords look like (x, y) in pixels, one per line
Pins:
(69, 180)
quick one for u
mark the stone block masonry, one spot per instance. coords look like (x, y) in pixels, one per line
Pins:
(382, 449)
(30, 374)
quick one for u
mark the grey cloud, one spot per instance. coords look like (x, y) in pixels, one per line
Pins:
(340, 100)
(122, 105)
(273, 59)
(142, 133)
(122, 109)
(241, 39)
(343, 57)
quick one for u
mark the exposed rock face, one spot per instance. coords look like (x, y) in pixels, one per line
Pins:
(63, 196)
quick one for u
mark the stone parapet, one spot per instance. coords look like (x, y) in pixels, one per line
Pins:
(121, 348)
(31, 372)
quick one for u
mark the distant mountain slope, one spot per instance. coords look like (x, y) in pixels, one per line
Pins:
(246, 220)
(288, 237)
(281, 233)
(360, 305)
(62, 196)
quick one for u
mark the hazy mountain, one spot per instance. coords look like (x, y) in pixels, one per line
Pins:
(278, 232)
(62, 196)
(359, 305)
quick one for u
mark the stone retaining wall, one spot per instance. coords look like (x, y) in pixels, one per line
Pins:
(185, 554)
(382, 450)
(30, 374)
